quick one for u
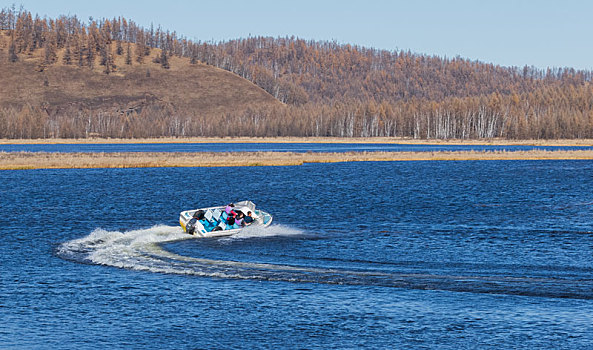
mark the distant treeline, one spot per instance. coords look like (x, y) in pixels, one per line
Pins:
(329, 89)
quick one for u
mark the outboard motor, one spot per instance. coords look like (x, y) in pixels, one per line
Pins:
(190, 227)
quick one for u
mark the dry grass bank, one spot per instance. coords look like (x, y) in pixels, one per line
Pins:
(31, 160)
(387, 140)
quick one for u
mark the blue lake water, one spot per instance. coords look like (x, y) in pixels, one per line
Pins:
(262, 147)
(449, 255)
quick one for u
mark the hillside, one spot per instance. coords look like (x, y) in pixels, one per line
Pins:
(111, 78)
(197, 87)
(143, 92)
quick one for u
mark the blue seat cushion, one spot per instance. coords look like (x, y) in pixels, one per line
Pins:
(207, 225)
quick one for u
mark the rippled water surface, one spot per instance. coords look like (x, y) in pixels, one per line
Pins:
(491, 254)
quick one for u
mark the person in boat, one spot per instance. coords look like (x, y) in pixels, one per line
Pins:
(247, 220)
(239, 219)
(231, 223)
(229, 209)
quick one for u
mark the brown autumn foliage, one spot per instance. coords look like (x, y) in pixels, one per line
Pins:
(111, 78)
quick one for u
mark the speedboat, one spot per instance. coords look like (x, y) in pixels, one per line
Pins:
(214, 221)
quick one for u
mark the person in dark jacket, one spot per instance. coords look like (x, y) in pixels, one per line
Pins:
(247, 220)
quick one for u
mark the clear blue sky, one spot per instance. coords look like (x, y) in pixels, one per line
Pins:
(506, 32)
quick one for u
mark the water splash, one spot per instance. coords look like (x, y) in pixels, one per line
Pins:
(142, 250)
(263, 232)
(132, 249)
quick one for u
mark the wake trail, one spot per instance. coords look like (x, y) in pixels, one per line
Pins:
(263, 232)
(142, 250)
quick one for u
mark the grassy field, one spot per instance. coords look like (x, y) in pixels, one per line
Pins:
(41, 160)
(393, 140)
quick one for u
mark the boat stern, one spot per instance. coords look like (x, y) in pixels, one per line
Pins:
(184, 217)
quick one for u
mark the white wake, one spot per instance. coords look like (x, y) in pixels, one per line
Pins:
(142, 250)
(263, 232)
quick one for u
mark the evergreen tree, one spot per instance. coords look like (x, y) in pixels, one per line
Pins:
(90, 58)
(80, 54)
(164, 59)
(80, 49)
(104, 54)
(12, 56)
(140, 48)
(109, 63)
(91, 46)
(128, 55)
(67, 55)
(50, 49)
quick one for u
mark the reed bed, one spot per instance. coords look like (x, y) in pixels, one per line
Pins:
(43, 160)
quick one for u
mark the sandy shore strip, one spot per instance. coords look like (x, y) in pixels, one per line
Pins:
(358, 140)
(43, 160)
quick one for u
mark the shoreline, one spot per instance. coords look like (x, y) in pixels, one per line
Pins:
(44, 160)
(368, 140)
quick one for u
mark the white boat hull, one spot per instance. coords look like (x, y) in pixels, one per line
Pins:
(261, 219)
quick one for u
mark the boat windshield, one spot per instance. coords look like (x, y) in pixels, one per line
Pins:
(247, 204)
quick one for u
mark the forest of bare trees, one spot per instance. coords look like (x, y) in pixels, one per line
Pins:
(328, 89)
